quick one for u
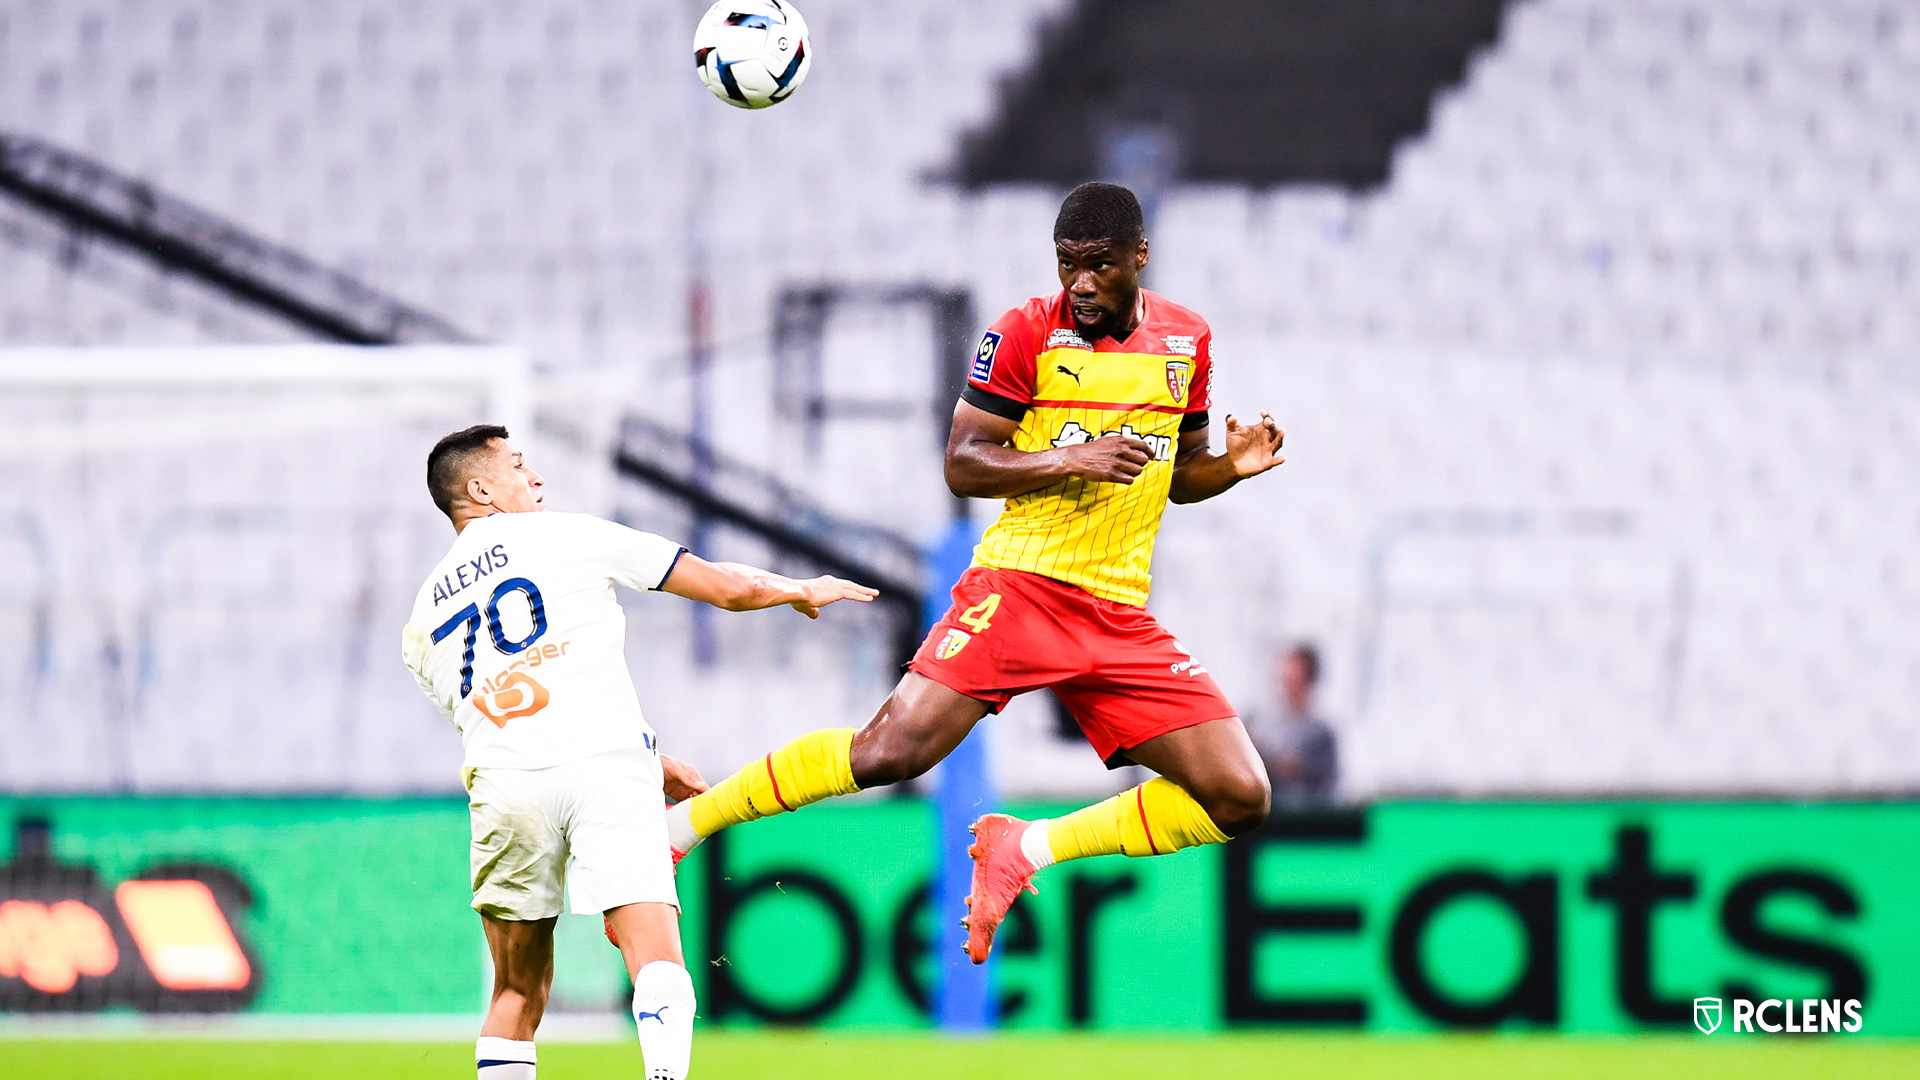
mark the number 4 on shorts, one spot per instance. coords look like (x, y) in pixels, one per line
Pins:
(980, 615)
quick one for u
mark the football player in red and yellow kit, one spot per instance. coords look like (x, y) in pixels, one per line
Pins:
(1086, 411)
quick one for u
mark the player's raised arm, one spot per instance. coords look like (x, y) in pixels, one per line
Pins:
(1199, 473)
(980, 464)
(738, 587)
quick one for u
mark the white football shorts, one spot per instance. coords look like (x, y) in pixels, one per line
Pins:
(595, 828)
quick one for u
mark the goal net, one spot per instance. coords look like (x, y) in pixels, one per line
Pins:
(208, 553)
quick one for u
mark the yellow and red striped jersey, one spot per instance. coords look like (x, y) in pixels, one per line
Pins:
(1036, 367)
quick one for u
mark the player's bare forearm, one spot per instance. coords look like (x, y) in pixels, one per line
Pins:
(755, 589)
(979, 469)
(980, 464)
(1200, 474)
(739, 587)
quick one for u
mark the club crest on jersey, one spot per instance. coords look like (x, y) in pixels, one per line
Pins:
(951, 645)
(1063, 338)
(1177, 373)
(983, 359)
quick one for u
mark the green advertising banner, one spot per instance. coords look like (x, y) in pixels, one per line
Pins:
(1589, 917)
(334, 905)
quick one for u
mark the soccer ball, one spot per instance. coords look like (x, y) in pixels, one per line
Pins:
(752, 53)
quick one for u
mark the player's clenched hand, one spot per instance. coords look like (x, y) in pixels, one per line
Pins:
(683, 781)
(1254, 450)
(817, 593)
(1110, 459)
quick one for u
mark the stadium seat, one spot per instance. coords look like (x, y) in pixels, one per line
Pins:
(1623, 221)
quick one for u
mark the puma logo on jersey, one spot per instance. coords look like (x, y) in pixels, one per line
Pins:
(639, 1015)
(1068, 372)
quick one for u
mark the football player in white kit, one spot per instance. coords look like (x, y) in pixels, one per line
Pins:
(518, 638)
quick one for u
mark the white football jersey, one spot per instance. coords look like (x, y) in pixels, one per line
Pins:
(518, 637)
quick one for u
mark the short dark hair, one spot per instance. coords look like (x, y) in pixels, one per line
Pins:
(1100, 211)
(447, 462)
(1309, 659)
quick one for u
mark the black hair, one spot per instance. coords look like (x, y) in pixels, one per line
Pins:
(1100, 211)
(1309, 659)
(447, 461)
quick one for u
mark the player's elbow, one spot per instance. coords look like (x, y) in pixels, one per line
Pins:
(971, 472)
(1183, 490)
(958, 482)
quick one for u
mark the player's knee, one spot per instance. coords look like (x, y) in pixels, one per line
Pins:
(888, 760)
(1241, 804)
(916, 727)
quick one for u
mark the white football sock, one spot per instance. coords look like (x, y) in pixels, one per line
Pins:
(1033, 844)
(663, 1012)
(680, 827)
(503, 1059)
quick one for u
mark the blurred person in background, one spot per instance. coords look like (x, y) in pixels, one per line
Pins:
(1295, 743)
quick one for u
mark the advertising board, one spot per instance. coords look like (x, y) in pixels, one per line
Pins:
(1578, 917)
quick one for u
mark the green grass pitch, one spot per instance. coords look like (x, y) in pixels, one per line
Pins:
(812, 1054)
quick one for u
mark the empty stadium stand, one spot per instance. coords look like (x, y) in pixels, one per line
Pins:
(1600, 408)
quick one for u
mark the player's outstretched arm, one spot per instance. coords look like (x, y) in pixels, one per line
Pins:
(738, 587)
(980, 464)
(1199, 473)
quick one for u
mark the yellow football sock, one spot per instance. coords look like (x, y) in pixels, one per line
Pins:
(1153, 819)
(815, 766)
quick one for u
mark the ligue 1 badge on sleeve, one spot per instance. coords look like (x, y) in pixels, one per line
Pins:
(1706, 1015)
(983, 359)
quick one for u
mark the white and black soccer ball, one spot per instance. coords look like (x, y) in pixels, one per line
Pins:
(752, 53)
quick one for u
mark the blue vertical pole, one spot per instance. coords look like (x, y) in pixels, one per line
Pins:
(962, 1001)
(699, 237)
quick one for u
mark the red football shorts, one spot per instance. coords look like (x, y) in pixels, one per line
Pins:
(1115, 668)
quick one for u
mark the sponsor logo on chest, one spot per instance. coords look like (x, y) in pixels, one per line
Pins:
(1182, 344)
(1063, 338)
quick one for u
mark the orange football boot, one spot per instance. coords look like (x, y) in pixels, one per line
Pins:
(1001, 873)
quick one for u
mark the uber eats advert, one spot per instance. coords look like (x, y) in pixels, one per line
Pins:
(1747, 920)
